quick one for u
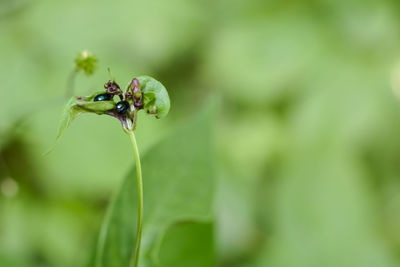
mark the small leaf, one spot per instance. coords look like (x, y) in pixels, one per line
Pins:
(98, 107)
(71, 110)
(178, 183)
(79, 105)
(155, 96)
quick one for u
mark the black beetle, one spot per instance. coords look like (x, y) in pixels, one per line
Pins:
(103, 97)
(122, 107)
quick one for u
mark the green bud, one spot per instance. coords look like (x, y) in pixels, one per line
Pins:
(86, 62)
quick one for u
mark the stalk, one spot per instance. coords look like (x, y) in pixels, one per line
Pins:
(135, 256)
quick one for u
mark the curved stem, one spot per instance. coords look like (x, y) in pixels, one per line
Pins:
(69, 91)
(135, 256)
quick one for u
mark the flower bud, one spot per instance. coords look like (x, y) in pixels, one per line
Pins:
(86, 62)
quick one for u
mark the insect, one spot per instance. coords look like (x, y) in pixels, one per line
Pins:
(103, 97)
(122, 107)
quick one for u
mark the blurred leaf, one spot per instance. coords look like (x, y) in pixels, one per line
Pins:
(188, 245)
(156, 99)
(11, 261)
(178, 187)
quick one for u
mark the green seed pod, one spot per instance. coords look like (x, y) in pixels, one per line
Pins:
(155, 96)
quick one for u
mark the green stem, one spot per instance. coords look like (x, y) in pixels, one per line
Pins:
(135, 256)
(70, 84)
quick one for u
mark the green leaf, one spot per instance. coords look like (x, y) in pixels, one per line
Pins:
(156, 99)
(188, 244)
(178, 187)
(79, 105)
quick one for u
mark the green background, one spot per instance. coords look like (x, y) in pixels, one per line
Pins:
(307, 132)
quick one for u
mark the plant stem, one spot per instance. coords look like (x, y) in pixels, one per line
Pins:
(70, 84)
(135, 256)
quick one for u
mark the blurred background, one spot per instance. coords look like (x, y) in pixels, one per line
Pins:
(308, 130)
